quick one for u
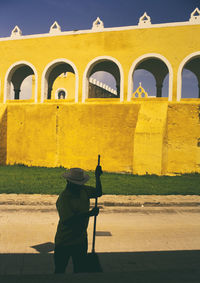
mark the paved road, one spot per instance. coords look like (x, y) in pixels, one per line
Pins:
(151, 240)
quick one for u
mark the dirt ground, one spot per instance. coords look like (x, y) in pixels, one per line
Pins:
(130, 224)
(148, 238)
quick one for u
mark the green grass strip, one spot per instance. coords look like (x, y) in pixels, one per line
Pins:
(21, 179)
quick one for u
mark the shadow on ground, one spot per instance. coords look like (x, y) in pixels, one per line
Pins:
(163, 266)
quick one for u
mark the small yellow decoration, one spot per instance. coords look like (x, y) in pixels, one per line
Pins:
(140, 92)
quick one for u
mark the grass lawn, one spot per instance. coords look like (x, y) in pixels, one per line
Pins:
(39, 180)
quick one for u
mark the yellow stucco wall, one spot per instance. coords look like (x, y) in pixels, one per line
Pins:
(183, 134)
(67, 83)
(125, 46)
(3, 134)
(127, 135)
(151, 135)
(149, 138)
(31, 134)
(72, 135)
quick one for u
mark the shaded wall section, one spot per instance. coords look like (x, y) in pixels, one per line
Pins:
(3, 134)
(183, 138)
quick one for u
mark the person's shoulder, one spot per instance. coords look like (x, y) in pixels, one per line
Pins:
(64, 194)
(87, 188)
(91, 191)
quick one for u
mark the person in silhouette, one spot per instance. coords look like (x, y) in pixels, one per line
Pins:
(73, 208)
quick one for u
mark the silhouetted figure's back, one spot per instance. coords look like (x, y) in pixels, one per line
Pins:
(73, 208)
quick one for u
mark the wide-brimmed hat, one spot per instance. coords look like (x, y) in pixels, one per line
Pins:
(76, 176)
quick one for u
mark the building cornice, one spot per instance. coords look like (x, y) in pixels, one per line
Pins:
(98, 27)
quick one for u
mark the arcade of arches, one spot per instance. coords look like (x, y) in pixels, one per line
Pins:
(62, 75)
(131, 94)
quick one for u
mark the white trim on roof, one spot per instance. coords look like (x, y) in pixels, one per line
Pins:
(124, 28)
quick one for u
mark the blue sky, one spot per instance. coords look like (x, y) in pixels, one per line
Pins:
(36, 17)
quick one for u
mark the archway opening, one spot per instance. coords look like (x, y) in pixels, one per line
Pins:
(153, 74)
(102, 85)
(59, 75)
(21, 83)
(147, 81)
(191, 79)
(61, 94)
(103, 79)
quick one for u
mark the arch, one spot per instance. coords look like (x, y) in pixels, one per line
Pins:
(142, 58)
(89, 67)
(48, 69)
(146, 79)
(11, 71)
(59, 90)
(180, 69)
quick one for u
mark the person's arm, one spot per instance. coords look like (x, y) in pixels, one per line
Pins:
(98, 173)
(94, 192)
(79, 217)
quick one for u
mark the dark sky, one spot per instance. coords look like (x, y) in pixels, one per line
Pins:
(36, 16)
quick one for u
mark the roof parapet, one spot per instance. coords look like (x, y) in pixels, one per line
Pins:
(144, 21)
(98, 25)
(195, 16)
(55, 28)
(16, 32)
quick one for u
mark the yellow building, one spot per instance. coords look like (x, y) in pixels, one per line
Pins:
(57, 124)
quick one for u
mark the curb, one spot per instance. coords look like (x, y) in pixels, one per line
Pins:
(105, 200)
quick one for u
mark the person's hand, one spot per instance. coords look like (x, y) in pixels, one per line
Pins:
(98, 171)
(94, 211)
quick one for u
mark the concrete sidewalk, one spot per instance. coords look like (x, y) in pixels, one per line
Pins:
(107, 200)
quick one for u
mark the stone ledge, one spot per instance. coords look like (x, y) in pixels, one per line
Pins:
(106, 200)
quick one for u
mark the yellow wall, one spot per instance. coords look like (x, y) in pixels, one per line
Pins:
(92, 129)
(3, 134)
(65, 82)
(183, 134)
(143, 135)
(127, 135)
(149, 138)
(124, 45)
(72, 135)
(31, 134)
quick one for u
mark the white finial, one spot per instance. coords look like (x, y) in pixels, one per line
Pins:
(145, 20)
(97, 24)
(55, 28)
(16, 32)
(195, 16)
